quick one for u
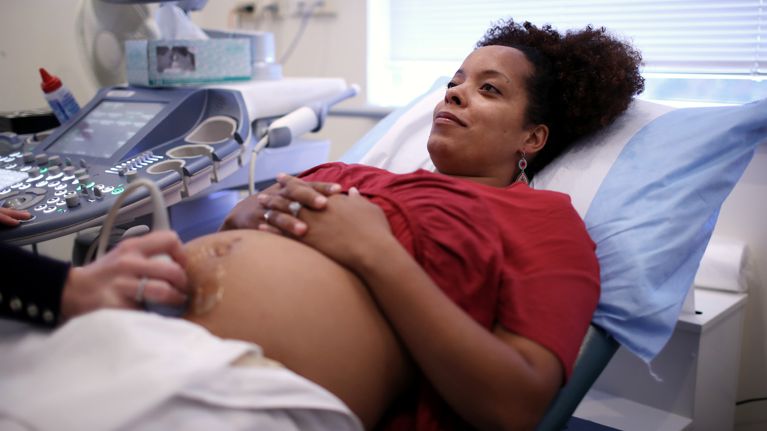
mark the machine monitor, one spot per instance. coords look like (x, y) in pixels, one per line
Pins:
(106, 128)
(69, 180)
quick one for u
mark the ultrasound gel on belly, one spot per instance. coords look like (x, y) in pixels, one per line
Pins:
(208, 287)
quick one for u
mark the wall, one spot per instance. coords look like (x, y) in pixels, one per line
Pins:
(332, 46)
(39, 33)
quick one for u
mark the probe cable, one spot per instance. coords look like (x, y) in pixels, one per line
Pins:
(159, 220)
(252, 164)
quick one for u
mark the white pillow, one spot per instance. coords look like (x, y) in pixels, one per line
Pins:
(398, 142)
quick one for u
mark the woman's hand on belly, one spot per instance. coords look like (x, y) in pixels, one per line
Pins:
(250, 212)
(347, 230)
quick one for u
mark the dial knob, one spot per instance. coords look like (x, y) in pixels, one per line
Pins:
(131, 175)
(72, 199)
(41, 159)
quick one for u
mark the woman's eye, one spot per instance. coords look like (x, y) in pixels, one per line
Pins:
(451, 84)
(489, 87)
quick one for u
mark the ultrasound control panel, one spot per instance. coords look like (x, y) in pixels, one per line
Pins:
(183, 139)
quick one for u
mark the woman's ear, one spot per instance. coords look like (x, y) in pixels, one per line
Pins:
(536, 140)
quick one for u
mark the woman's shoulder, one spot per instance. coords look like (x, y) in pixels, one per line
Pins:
(533, 207)
(522, 195)
(547, 197)
(344, 173)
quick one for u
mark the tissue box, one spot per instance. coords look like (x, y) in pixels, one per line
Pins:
(187, 62)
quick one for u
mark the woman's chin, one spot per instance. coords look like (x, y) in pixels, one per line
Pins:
(439, 150)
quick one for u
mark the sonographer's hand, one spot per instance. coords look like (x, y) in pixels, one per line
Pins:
(275, 209)
(11, 217)
(128, 275)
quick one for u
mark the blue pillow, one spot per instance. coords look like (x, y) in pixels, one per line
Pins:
(655, 211)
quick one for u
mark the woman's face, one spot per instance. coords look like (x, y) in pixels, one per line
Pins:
(479, 128)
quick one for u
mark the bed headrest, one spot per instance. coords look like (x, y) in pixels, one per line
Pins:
(649, 188)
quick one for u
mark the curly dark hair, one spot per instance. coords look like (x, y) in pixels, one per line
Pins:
(582, 80)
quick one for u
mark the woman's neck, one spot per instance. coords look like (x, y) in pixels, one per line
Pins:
(488, 181)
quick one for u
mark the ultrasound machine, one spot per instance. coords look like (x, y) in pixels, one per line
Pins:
(187, 140)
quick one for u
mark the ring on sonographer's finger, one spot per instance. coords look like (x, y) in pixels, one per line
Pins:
(140, 290)
(294, 208)
(267, 215)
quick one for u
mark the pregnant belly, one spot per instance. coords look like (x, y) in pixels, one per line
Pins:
(303, 309)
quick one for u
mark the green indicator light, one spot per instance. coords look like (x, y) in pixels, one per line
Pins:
(90, 186)
(118, 190)
(77, 188)
(43, 170)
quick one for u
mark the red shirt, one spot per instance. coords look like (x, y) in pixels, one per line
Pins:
(515, 256)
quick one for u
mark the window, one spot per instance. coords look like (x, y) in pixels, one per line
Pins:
(693, 50)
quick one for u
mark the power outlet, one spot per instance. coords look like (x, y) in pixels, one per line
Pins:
(259, 9)
(299, 8)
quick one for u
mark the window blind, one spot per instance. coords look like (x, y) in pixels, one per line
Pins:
(691, 37)
(688, 36)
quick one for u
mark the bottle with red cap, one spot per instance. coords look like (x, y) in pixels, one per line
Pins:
(59, 97)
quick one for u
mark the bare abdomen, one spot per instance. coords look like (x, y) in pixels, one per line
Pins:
(303, 309)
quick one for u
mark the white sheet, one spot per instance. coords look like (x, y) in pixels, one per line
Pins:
(134, 370)
(402, 148)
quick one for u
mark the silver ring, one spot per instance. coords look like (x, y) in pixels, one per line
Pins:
(140, 290)
(294, 208)
(267, 215)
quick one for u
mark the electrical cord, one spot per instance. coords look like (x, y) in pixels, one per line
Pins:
(252, 165)
(750, 400)
(159, 220)
(304, 23)
(284, 130)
